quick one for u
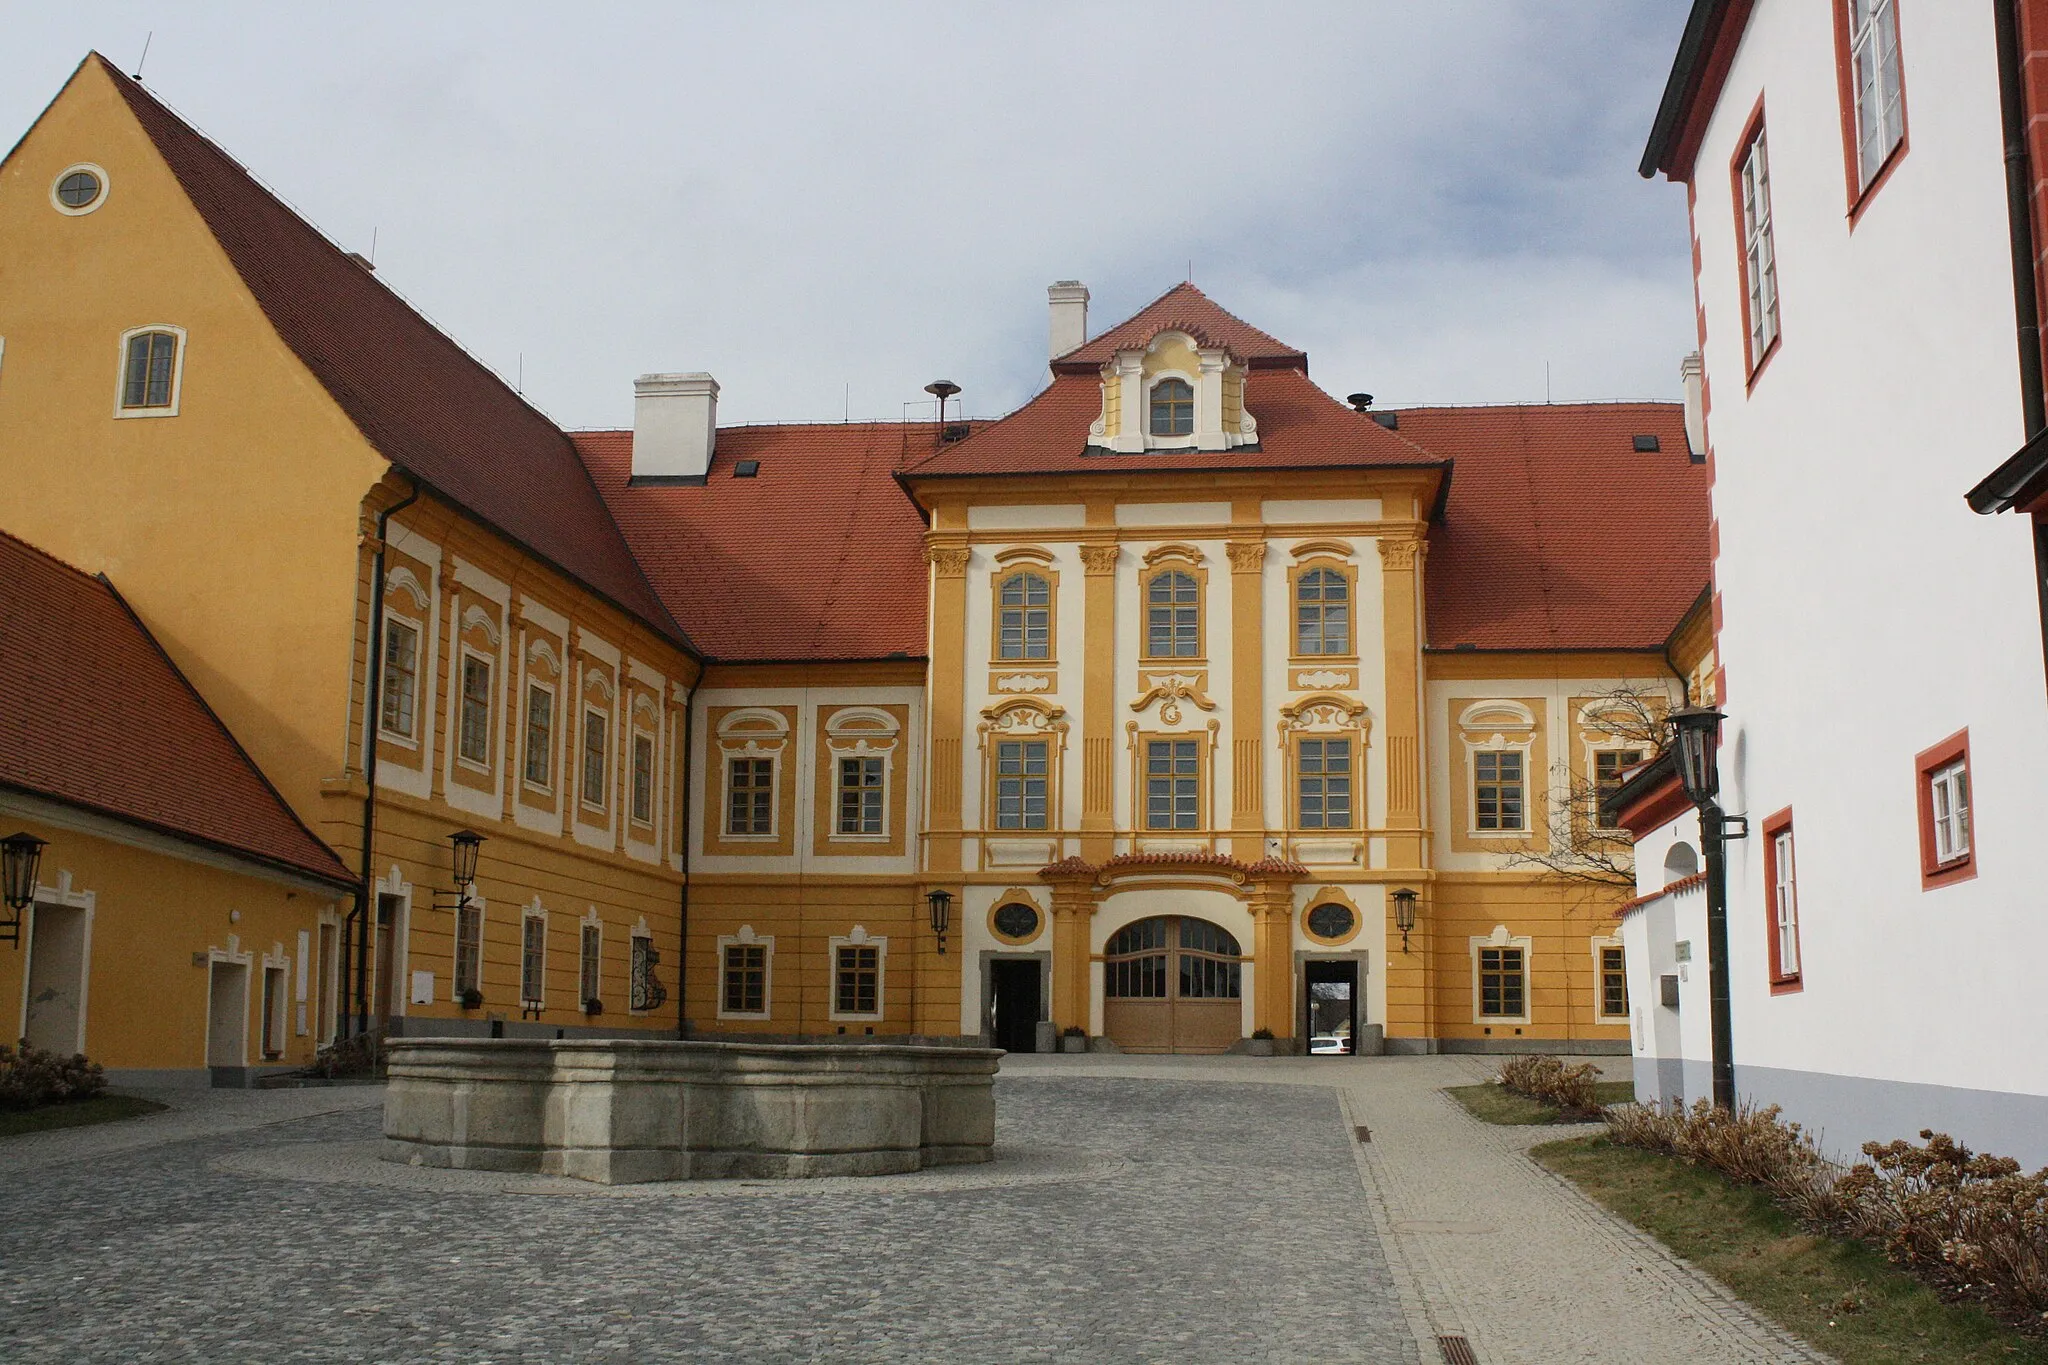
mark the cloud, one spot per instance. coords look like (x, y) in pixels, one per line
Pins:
(829, 205)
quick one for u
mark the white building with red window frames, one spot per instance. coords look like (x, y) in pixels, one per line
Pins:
(1868, 312)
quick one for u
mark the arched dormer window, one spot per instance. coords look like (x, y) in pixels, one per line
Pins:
(1322, 613)
(1173, 616)
(1173, 408)
(1024, 619)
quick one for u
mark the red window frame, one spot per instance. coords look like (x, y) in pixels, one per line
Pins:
(1860, 194)
(1752, 133)
(1782, 981)
(1933, 871)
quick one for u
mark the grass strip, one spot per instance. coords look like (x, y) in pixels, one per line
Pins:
(75, 1114)
(1490, 1102)
(1841, 1295)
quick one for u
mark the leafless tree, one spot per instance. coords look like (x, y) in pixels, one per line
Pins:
(1577, 849)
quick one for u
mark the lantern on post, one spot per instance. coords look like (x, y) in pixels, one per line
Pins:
(1404, 913)
(939, 902)
(1696, 734)
(21, 857)
(1698, 737)
(462, 851)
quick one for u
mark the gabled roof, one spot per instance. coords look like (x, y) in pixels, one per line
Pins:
(817, 556)
(95, 716)
(423, 402)
(1557, 533)
(1183, 308)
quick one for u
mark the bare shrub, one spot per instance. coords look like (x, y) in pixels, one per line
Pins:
(1570, 1088)
(30, 1076)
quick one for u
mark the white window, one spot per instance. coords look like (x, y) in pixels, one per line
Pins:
(1759, 257)
(474, 743)
(401, 678)
(540, 734)
(1785, 903)
(1173, 792)
(1497, 790)
(1020, 785)
(750, 797)
(1024, 624)
(643, 779)
(858, 962)
(596, 729)
(1949, 791)
(1880, 103)
(533, 959)
(860, 796)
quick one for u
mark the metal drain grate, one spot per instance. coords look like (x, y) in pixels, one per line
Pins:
(1456, 1351)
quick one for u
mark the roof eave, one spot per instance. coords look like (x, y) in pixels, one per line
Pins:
(2019, 481)
(1110, 466)
(1691, 76)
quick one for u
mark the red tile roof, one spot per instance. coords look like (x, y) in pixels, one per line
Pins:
(1183, 308)
(420, 399)
(1558, 534)
(94, 715)
(818, 556)
(1300, 427)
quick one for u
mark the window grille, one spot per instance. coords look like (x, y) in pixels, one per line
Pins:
(648, 992)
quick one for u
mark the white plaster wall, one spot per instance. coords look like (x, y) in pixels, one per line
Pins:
(1868, 613)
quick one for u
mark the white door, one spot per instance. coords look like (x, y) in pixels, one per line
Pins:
(227, 1015)
(56, 980)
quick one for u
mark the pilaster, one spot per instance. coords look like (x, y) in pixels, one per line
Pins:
(1247, 699)
(1410, 984)
(1073, 911)
(1272, 905)
(1098, 701)
(948, 557)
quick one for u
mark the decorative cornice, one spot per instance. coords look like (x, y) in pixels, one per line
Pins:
(1131, 864)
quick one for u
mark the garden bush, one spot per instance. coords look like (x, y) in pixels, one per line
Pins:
(1962, 1220)
(1570, 1088)
(30, 1077)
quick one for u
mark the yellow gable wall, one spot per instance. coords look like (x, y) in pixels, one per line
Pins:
(231, 527)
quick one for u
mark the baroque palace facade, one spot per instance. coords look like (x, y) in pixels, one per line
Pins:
(1213, 705)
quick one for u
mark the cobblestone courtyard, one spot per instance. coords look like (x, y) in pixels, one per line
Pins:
(1143, 1210)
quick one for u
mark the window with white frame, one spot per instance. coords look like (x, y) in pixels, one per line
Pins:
(857, 979)
(596, 738)
(401, 678)
(1784, 905)
(1878, 86)
(1503, 982)
(475, 731)
(643, 779)
(1759, 254)
(1608, 767)
(1948, 791)
(591, 962)
(1173, 789)
(1322, 613)
(750, 796)
(149, 372)
(744, 979)
(533, 957)
(1020, 783)
(1613, 981)
(1323, 777)
(860, 795)
(540, 734)
(1498, 790)
(1173, 628)
(1173, 408)
(1024, 619)
(469, 949)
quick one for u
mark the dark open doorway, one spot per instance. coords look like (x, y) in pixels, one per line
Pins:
(1017, 1006)
(1332, 1008)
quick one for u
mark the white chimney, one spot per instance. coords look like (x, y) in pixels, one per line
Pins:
(675, 426)
(1693, 372)
(1069, 300)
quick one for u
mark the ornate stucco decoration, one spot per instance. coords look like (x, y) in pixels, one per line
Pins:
(1323, 679)
(1170, 690)
(861, 732)
(1023, 718)
(1100, 559)
(1246, 556)
(1401, 552)
(1021, 682)
(948, 561)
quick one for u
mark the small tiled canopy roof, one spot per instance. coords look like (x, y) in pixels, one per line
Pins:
(1558, 533)
(818, 555)
(1183, 308)
(423, 402)
(95, 716)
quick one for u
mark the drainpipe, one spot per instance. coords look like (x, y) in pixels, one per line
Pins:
(683, 940)
(2012, 104)
(373, 703)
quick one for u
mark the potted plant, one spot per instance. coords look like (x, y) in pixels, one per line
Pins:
(472, 998)
(1075, 1039)
(1260, 1044)
(593, 1006)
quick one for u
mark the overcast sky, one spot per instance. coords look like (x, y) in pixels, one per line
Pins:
(829, 205)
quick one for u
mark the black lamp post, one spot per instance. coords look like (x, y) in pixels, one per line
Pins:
(462, 850)
(940, 902)
(1404, 913)
(21, 857)
(1698, 737)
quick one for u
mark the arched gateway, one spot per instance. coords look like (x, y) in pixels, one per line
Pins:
(1172, 983)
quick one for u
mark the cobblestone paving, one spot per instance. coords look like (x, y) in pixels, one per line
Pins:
(1227, 1223)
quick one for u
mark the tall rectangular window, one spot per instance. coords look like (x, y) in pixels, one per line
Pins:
(1021, 784)
(860, 796)
(1324, 773)
(1947, 837)
(1759, 254)
(1608, 766)
(1949, 791)
(596, 738)
(1173, 616)
(401, 678)
(1322, 613)
(1613, 984)
(590, 963)
(643, 779)
(1173, 771)
(533, 951)
(858, 979)
(1497, 789)
(540, 734)
(746, 978)
(647, 992)
(1024, 617)
(475, 743)
(1877, 85)
(1503, 983)
(152, 366)
(1781, 895)
(750, 796)
(469, 948)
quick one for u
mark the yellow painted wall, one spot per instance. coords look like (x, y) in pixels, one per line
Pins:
(230, 527)
(146, 1000)
(1559, 920)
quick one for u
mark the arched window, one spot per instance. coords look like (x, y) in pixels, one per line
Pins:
(149, 371)
(1173, 408)
(1024, 628)
(1322, 613)
(1173, 617)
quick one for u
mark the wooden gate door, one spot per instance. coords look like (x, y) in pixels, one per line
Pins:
(1172, 983)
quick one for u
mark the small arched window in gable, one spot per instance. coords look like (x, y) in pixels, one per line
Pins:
(1025, 628)
(1322, 613)
(1173, 408)
(1173, 616)
(149, 371)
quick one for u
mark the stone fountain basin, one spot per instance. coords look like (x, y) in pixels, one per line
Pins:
(621, 1112)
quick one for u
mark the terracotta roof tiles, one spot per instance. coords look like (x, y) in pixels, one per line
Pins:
(1187, 309)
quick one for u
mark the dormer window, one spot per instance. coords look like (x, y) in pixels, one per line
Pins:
(1173, 408)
